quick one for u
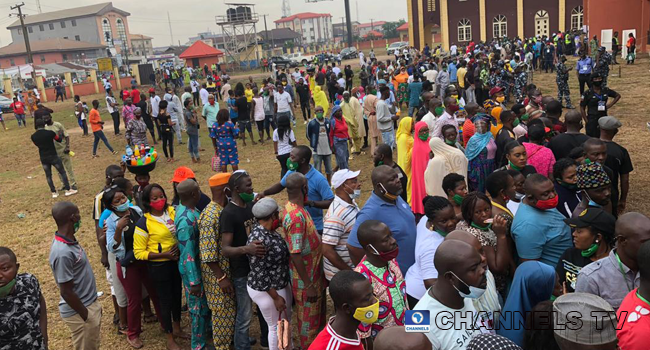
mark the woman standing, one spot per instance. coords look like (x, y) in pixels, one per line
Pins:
(539, 156)
(401, 86)
(284, 140)
(446, 159)
(268, 280)
(132, 274)
(565, 177)
(136, 129)
(96, 125)
(631, 49)
(480, 152)
(339, 137)
(154, 242)
(223, 134)
(320, 99)
(517, 158)
(404, 140)
(166, 131)
(419, 161)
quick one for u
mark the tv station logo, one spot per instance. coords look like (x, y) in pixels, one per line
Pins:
(417, 321)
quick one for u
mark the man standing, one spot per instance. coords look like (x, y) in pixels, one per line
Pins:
(594, 105)
(74, 276)
(62, 150)
(615, 47)
(111, 106)
(383, 155)
(318, 130)
(562, 80)
(633, 321)
(308, 283)
(618, 159)
(593, 47)
(339, 220)
(215, 266)
(353, 113)
(603, 60)
(564, 143)
(583, 69)
(447, 118)
(19, 111)
(283, 104)
(44, 140)
(385, 118)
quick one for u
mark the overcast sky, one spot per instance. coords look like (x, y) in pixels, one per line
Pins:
(150, 17)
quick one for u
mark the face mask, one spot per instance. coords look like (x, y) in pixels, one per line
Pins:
(368, 314)
(455, 96)
(122, 207)
(500, 99)
(319, 116)
(594, 204)
(458, 199)
(378, 163)
(590, 251)
(597, 83)
(516, 122)
(275, 224)
(291, 165)
(450, 142)
(386, 256)
(567, 185)
(211, 103)
(388, 195)
(6, 289)
(439, 111)
(247, 197)
(474, 292)
(482, 228)
(77, 225)
(143, 184)
(158, 204)
(454, 108)
(423, 136)
(513, 166)
(519, 196)
(547, 204)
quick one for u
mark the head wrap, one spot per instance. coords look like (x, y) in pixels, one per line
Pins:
(592, 176)
(219, 179)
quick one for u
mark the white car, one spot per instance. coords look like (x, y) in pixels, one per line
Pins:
(397, 47)
(300, 58)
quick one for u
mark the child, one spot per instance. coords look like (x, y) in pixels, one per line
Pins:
(80, 110)
(166, 131)
(231, 104)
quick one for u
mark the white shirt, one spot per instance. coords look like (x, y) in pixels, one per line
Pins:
(426, 244)
(336, 70)
(513, 206)
(283, 100)
(444, 119)
(110, 100)
(285, 145)
(195, 85)
(454, 334)
(38, 94)
(155, 101)
(296, 76)
(453, 49)
(487, 305)
(203, 93)
(341, 82)
(431, 75)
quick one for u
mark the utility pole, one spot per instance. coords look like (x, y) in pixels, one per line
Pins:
(28, 48)
(266, 34)
(170, 28)
(356, 3)
(349, 22)
(38, 6)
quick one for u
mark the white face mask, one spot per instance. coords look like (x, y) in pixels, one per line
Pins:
(355, 193)
(519, 196)
(474, 292)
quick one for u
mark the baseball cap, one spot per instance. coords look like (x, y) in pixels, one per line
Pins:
(596, 218)
(183, 173)
(495, 90)
(264, 207)
(343, 175)
(609, 123)
(152, 90)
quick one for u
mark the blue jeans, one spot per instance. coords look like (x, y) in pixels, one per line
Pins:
(326, 159)
(99, 135)
(193, 145)
(269, 121)
(341, 152)
(389, 138)
(21, 119)
(244, 314)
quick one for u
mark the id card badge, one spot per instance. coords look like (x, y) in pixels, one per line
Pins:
(601, 106)
(584, 69)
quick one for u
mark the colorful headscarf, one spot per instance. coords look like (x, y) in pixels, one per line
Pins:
(489, 104)
(592, 176)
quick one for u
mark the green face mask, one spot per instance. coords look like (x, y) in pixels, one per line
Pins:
(590, 251)
(381, 162)
(423, 136)
(77, 225)
(525, 117)
(247, 197)
(450, 142)
(567, 185)
(482, 228)
(516, 122)
(6, 289)
(291, 165)
(439, 111)
(458, 199)
(319, 116)
(514, 166)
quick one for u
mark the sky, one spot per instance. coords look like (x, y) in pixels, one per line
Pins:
(150, 17)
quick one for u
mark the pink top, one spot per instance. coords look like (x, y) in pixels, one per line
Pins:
(419, 161)
(541, 158)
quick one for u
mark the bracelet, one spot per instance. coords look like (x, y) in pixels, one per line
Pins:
(222, 278)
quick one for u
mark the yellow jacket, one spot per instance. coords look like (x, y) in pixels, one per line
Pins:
(150, 233)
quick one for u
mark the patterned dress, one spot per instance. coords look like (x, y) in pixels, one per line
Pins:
(221, 305)
(389, 287)
(19, 316)
(226, 145)
(189, 265)
(479, 168)
(303, 239)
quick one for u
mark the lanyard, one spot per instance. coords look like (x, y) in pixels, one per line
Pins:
(503, 208)
(620, 267)
(642, 298)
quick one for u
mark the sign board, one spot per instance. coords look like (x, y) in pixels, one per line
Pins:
(104, 64)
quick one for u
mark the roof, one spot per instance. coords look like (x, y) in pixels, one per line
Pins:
(374, 33)
(61, 68)
(304, 15)
(279, 34)
(48, 45)
(200, 49)
(75, 12)
(372, 24)
(140, 37)
(403, 27)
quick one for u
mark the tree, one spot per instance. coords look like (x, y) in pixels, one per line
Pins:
(390, 29)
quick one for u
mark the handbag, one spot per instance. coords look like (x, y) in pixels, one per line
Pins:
(284, 332)
(215, 163)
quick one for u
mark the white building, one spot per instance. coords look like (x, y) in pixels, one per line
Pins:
(314, 28)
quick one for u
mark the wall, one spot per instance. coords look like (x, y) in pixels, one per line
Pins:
(530, 9)
(570, 5)
(88, 88)
(507, 8)
(465, 9)
(50, 57)
(619, 15)
(86, 28)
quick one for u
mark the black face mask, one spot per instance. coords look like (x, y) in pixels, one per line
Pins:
(597, 83)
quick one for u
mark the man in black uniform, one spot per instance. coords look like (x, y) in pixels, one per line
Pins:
(594, 104)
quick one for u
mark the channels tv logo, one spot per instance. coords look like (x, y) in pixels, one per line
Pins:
(417, 321)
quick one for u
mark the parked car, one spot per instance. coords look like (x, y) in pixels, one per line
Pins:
(5, 103)
(349, 52)
(281, 61)
(400, 45)
(300, 58)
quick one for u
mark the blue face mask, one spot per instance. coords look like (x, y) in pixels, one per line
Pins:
(594, 204)
(122, 207)
(474, 292)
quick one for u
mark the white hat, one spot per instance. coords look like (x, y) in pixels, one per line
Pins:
(341, 176)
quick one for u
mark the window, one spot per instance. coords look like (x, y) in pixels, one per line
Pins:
(577, 17)
(42, 58)
(51, 26)
(65, 37)
(77, 38)
(74, 22)
(41, 28)
(464, 30)
(62, 24)
(20, 31)
(108, 35)
(65, 57)
(11, 62)
(29, 29)
(121, 32)
(431, 5)
(499, 26)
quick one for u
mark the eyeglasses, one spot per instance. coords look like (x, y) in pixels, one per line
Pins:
(240, 174)
(110, 188)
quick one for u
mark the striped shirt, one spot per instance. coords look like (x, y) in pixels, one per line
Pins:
(338, 223)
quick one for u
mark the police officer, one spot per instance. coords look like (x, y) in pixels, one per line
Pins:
(562, 80)
(603, 60)
(594, 105)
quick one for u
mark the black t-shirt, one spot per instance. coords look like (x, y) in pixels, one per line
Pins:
(303, 92)
(562, 144)
(568, 267)
(592, 100)
(568, 200)
(526, 170)
(242, 109)
(503, 137)
(618, 160)
(238, 221)
(44, 140)
(320, 78)
(402, 179)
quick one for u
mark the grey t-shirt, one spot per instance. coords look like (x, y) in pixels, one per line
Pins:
(192, 129)
(323, 148)
(69, 262)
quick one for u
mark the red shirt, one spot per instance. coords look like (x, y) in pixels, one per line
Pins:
(633, 323)
(328, 339)
(18, 107)
(125, 94)
(135, 95)
(340, 129)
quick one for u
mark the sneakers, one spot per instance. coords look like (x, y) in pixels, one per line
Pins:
(55, 194)
(70, 192)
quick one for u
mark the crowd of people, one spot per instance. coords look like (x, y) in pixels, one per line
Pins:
(487, 205)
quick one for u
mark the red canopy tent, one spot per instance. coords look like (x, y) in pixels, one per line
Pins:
(199, 54)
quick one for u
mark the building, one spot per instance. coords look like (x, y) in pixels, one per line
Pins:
(141, 45)
(212, 39)
(403, 32)
(200, 54)
(314, 28)
(604, 17)
(100, 24)
(340, 29)
(278, 37)
(462, 21)
(51, 51)
(365, 28)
